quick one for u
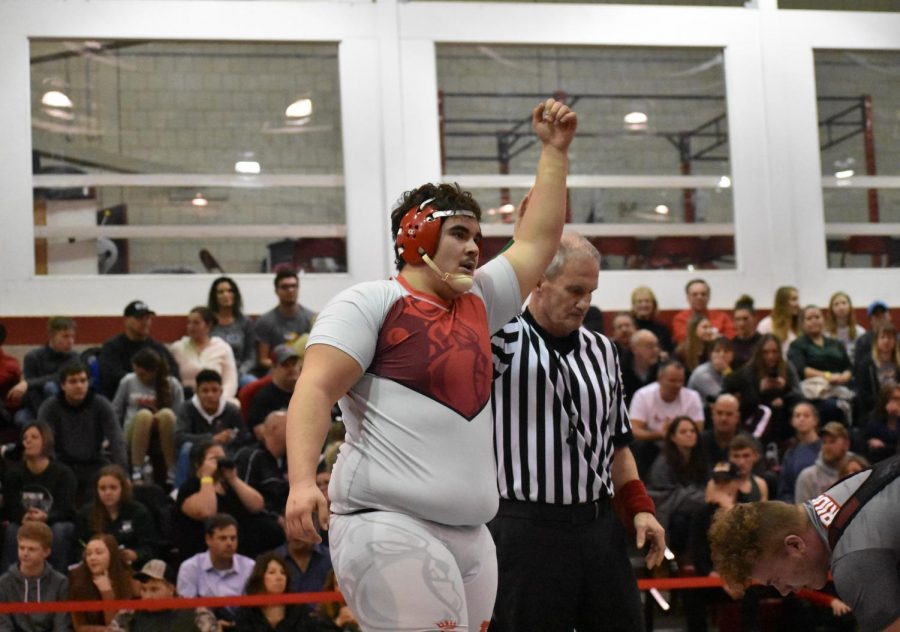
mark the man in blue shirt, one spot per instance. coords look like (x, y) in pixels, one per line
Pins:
(220, 571)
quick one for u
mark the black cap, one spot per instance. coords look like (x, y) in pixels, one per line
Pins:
(138, 309)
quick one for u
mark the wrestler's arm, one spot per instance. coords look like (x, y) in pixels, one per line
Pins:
(537, 236)
(623, 471)
(328, 373)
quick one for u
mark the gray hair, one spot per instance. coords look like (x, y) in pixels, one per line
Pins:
(570, 245)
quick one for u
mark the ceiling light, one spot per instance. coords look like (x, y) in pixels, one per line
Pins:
(56, 99)
(846, 173)
(635, 118)
(662, 209)
(301, 108)
(247, 167)
(199, 200)
(724, 182)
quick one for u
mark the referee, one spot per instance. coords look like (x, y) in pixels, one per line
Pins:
(561, 434)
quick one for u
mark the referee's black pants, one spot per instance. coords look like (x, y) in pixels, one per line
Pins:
(563, 569)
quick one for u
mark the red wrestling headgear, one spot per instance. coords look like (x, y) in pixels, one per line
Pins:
(420, 231)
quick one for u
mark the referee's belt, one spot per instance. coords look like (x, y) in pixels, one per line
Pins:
(582, 513)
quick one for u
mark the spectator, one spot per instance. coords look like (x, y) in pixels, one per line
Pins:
(784, 321)
(270, 577)
(42, 366)
(147, 398)
(32, 579)
(264, 467)
(878, 370)
(854, 465)
(232, 326)
(81, 421)
(707, 378)
(824, 473)
(732, 482)
(726, 423)
(644, 309)
(698, 293)
(656, 405)
(766, 380)
(10, 379)
(878, 315)
(744, 452)
(639, 365)
(286, 322)
(745, 335)
(113, 511)
(882, 432)
(101, 576)
(207, 415)
(816, 356)
(677, 482)
(333, 616)
(215, 488)
(199, 350)
(308, 564)
(39, 490)
(840, 322)
(157, 581)
(117, 352)
(808, 444)
(219, 571)
(694, 349)
(288, 362)
(623, 329)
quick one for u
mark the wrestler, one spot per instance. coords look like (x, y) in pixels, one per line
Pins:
(851, 529)
(410, 361)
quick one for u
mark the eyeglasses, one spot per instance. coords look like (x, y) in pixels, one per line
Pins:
(288, 286)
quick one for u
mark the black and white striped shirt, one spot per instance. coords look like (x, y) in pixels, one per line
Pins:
(559, 413)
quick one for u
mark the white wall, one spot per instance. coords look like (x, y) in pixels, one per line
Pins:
(390, 142)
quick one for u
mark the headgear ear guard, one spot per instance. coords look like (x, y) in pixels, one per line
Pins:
(420, 231)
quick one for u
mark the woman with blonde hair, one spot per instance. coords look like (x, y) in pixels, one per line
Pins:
(784, 321)
(644, 310)
(878, 370)
(840, 322)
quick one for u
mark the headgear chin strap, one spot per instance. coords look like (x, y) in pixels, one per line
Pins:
(458, 282)
(418, 237)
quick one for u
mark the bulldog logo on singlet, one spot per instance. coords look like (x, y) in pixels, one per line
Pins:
(444, 354)
(826, 509)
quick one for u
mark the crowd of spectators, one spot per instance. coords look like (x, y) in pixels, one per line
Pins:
(146, 469)
(138, 472)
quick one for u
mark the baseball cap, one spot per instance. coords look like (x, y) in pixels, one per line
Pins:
(876, 305)
(155, 569)
(283, 353)
(138, 309)
(835, 429)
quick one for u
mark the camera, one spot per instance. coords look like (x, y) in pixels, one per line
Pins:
(226, 464)
(724, 472)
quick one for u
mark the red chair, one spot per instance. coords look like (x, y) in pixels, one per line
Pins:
(246, 395)
(674, 252)
(875, 245)
(625, 247)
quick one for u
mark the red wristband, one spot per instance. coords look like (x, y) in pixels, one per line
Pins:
(633, 499)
